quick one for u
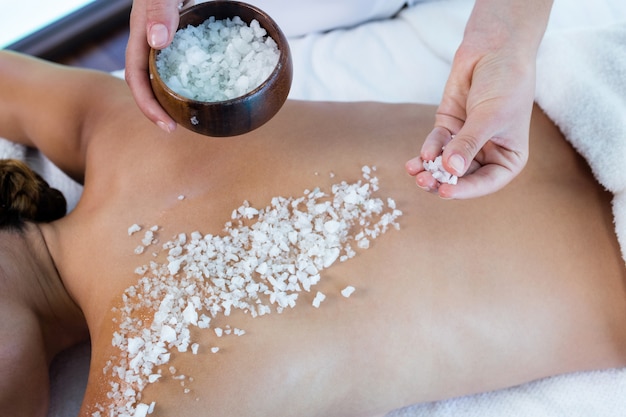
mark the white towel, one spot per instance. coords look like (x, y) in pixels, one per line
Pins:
(581, 85)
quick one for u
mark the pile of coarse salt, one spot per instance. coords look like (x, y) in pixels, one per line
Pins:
(260, 264)
(218, 60)
(439, 172)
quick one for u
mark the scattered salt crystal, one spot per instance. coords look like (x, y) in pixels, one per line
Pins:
(319, 297)
(190, 315)
(139, 250)
(181, 197)
(363, 243)
(257, 267)
(148, 238)
(204, 322)
(218, 331)
(215, 349)
(133, 229)
(174, 266)
(332, 226)
(141, 410)
(347, 292)
(439, 172)
(134, 344)
(168, 334)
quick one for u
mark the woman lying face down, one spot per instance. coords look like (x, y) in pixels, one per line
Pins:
(295, 270)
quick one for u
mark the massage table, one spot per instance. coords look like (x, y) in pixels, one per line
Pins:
(581, 84)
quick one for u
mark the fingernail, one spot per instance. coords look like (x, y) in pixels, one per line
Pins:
(457, 163)
(164, 126)
(158, 35)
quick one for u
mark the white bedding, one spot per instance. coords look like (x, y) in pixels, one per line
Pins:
(407, 59)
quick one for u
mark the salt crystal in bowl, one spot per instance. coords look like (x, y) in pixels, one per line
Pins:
(219, 113)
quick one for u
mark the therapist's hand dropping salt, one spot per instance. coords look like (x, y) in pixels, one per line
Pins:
(482, 124)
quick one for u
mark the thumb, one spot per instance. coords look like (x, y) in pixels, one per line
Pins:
(466, 144)
(161, 22)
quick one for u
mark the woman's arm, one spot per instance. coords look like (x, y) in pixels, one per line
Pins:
(487, 100)
(24, 381)
(52, 108)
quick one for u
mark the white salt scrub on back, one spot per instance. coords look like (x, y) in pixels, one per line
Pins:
(264, 259)
(218, 60)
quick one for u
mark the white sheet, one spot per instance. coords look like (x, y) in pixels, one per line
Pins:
(408, 59)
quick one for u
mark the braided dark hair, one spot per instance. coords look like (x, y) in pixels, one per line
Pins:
(25, 196)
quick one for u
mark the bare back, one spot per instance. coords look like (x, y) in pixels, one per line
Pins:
(465, 296)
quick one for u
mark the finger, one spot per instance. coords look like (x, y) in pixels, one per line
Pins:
(480, 126)
(414, 166)
(138, 80)
(161, 22)
(434, 143)
(485, 180)
(136, 73)
(427, 182)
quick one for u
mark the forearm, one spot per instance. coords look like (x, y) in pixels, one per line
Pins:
(37, 100)
(50, 107)
(518, 24)
(13, 94)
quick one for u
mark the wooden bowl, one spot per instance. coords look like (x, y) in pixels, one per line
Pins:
(241, 114)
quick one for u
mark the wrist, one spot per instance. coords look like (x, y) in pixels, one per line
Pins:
(516, 24)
